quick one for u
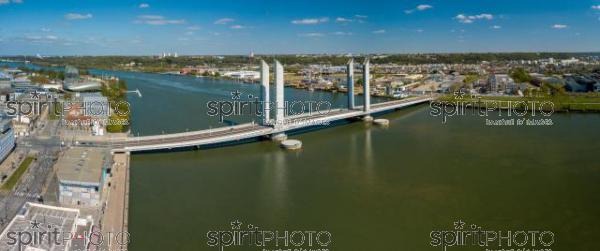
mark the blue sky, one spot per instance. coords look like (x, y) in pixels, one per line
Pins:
(121, 27)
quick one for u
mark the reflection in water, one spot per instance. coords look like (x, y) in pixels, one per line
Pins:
(353, 150)
(279, 183)
(369, 158)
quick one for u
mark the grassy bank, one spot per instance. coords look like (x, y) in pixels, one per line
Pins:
(16, 176)
(587, 102)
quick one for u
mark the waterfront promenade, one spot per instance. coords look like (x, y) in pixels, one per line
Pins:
(115, 218)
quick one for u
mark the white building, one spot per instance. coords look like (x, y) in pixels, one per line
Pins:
(81, 176)
(243, 74)
(500, 83)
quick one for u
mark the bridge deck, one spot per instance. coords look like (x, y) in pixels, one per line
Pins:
(251, 130)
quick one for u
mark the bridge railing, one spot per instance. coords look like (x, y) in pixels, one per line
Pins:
(191, 133)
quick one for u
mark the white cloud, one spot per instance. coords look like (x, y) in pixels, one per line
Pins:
(144, 5)
(341, 33)
(8, 1)
(379, 32)
(420, 7)
(311, 20)
(77, 16)
(361, 18)
(45, 29)
(313, 34)
(470, 19)
(496, 27)
(420, 30)
(236, 27)
(157, 20)
(155, 17)
(596, 7)
(35, 38)
(343, 20)
(194, 27)
(424, 7)
(225, 20)
(560, 26)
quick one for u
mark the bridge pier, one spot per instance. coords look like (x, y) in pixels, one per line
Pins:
(350, 83)
(367, 91)
(264, 92)
(278, 137)
(366, 86)
(279, 99)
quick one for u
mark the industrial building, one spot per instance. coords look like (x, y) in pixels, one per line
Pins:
(81, 172)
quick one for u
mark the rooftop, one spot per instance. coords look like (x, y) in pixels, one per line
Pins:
(37, 218)
(81, 165)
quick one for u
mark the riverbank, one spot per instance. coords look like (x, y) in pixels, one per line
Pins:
(115, 219)
(587, 102)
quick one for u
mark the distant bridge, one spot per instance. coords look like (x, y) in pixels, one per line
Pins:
(233, 134)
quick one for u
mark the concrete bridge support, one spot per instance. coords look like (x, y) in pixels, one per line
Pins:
(279, 99)
(367, 90)
(366, 85)
(350, 83)
(264, 92)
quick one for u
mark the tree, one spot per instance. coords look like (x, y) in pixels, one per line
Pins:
(520, 75)
(471, 78)
(113, 126)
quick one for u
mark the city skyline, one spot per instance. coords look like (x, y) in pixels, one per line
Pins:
(32, 27)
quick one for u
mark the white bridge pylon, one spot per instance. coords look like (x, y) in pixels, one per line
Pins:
(366, 85)
(279, 105)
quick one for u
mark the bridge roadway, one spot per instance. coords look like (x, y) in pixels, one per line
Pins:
(231, 134)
